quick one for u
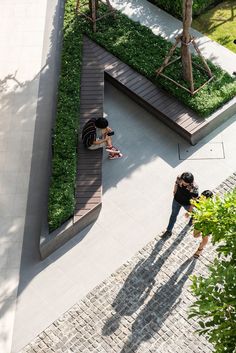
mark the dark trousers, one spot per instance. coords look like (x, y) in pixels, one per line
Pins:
(175, 211)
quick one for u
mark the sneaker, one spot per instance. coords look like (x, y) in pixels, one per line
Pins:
(112, 149)
(115, 156)
(166, 234)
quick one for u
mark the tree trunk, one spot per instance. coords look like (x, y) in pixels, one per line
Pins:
(185, 52)
(92, 6)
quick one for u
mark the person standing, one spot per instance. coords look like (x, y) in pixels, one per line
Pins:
(184, 191)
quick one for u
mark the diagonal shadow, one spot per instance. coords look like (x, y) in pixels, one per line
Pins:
(139, 283)
(154, 314)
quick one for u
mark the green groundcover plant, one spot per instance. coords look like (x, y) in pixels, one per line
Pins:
(62, 189)
(215, 307)
(137, 46)
(174, 7)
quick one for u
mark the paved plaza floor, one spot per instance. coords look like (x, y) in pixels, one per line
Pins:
(141, 308)
(137, 195)
(137, 190)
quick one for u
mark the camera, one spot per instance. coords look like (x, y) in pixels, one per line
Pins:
(111, 133)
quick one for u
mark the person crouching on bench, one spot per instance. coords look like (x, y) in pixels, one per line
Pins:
(97, 134)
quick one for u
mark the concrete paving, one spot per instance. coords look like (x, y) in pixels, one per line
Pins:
(142, 307)
(25, 64)
(137, 189)
(21, 40)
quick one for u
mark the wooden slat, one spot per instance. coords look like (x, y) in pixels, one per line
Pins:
(89, 174)
(143, 87)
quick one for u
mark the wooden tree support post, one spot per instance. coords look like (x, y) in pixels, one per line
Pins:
(93, 11)
(169, 55)
(202, 58)
(186, 40)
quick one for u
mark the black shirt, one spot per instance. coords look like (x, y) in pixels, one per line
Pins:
(184, 194)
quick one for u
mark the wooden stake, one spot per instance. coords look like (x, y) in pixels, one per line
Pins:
(202, 58)
(169, 55)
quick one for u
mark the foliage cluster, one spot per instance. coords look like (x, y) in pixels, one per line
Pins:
(175, 7)
(61, 192)
(137, 46)
(215, 306)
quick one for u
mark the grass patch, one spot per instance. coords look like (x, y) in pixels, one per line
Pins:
(219, 24)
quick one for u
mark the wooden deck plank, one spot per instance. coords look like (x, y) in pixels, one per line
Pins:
(158, 96)
(143, 87)
(89, 174)
(128, 79)
(117, 72)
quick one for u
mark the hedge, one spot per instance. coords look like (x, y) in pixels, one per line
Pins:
(61, 193)
(174, 7)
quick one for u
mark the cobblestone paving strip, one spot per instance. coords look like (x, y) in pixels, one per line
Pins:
(142, 307)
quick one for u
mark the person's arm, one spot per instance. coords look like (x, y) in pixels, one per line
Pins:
(194, 197)
(108, 129)
(98, 142)
(176, 185)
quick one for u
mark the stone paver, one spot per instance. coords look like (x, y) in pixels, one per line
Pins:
(142, 307)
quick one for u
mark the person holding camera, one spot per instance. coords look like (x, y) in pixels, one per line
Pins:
(97, 134)
(184, 190)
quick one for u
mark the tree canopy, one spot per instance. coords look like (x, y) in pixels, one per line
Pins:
(215, 307)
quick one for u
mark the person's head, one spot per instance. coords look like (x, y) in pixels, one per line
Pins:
(234, 41)
(187, 178)
(207, 193)
(101, 123)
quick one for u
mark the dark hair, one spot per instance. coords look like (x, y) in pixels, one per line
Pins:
(101, 123)
(234, 41)
(207, 193)
(187, 177)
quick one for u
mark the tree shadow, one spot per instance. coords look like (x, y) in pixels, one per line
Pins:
(212, 22)
(139, 283)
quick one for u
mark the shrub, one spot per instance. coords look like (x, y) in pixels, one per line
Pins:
(61, 193)
(215, 307)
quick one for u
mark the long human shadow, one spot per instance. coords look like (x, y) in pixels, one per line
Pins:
(139, 283)
(157, 310)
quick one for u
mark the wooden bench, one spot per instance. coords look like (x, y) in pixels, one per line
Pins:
(88, 189)
(89, 173)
